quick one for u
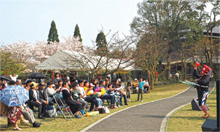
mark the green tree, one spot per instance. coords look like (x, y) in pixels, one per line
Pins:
(77, 33)
(53, 35)
(215, 12)
(9, 65)
(174, 17)
(101, 43)
(150, 50)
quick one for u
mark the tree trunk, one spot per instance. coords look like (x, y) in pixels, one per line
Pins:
(156, 80)
(151, 80)
(184, 70)
(152, 84)
(168, 63)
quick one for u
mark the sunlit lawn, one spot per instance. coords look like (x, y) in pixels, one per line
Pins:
(185, 119)
(60, 124)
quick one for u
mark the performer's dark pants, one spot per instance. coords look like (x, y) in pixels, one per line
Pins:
(200, 95)
(197, 90)
(203, 95)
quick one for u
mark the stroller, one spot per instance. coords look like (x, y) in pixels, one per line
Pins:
(62, 108)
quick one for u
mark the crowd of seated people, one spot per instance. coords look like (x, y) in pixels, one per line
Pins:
(80, 95)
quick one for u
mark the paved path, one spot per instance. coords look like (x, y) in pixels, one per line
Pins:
(147, 117)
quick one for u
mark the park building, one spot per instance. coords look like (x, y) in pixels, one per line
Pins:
(199, 55)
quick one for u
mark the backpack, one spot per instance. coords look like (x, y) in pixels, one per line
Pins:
(51, 111)
(101, 109)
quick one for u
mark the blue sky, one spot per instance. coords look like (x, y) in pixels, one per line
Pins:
(29, 20)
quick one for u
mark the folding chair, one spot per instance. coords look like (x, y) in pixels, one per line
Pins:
(35, 111)
(62, 108)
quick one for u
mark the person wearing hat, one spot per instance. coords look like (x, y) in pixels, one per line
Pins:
(196, 71)
(43, 97)
(203, 89)
(90, 90)
(135, 85)
(34, 100)
(51, 89)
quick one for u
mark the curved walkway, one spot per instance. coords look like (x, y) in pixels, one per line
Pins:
(146, 117)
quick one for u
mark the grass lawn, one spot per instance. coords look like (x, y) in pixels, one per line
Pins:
(60, 124)
(186, 119)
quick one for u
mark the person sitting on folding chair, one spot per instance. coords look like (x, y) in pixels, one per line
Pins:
(83, 94)
(51, 91)
(43, 98)
(75, 107)
(34, 100)
(76, 96)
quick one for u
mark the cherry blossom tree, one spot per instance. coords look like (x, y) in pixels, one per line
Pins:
(32, 54)
(117, 56)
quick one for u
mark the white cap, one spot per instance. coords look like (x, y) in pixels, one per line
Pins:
(135, 79)
(91, 85)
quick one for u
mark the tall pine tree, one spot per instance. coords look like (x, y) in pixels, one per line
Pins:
(77, 33)
(53, 35)
(101, 44)
(101, 41)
